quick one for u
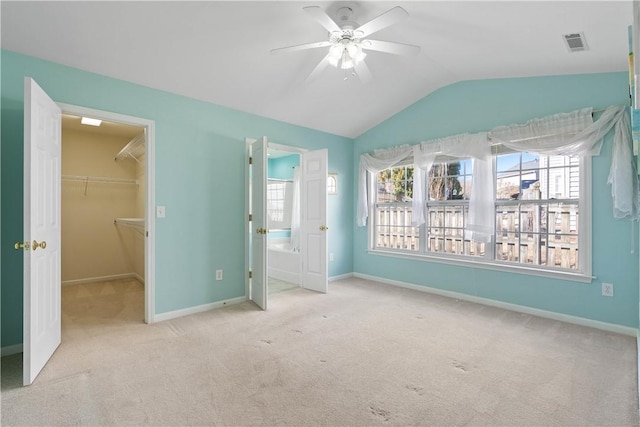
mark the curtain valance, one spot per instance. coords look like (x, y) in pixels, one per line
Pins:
(568, 134)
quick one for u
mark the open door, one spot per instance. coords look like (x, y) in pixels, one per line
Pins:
(259, 252)
(313, 224)
(41, 246)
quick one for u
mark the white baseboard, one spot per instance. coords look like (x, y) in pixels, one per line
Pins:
(103, 279)
(610, 327)
(11, 349)
(197, 309)
(340, 277)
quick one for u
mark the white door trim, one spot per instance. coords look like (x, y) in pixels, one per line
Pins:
(150, 172)
(247, 211)
(289, 148)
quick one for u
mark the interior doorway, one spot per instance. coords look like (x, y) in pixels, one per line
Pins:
(107, 209)
(103, 225)
(42, 182)
(300, 249)
(284, 265)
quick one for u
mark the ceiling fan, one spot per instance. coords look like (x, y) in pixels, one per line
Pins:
(348, 41)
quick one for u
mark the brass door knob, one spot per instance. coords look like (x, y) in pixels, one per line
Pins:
(323, 228)
(20, 245)
(37, 245)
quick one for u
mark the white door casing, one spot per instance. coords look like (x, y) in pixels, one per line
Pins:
(259, 254)
(313, 224)
(42, 173)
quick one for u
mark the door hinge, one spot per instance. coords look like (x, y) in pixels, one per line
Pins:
(250, 274)
(250, 217)
(250, 160)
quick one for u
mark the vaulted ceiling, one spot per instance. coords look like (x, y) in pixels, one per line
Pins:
(220, 51)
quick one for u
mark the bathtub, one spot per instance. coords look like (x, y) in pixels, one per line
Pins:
(283, 261)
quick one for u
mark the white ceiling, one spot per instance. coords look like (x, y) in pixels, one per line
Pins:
(220, 51)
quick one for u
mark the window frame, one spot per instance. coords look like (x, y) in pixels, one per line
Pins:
(488, 261)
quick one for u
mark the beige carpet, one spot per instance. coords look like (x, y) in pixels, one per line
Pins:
(364, 354)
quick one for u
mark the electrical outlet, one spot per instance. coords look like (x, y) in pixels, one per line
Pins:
(607, 289)
(218, 274)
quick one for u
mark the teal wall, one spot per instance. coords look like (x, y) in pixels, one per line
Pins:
(200, 179)
(475, 106)
(200, 163)
(282, 167)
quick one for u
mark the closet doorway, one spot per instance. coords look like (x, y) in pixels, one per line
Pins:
(106, 227)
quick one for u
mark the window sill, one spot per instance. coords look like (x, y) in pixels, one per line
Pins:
(489, 265)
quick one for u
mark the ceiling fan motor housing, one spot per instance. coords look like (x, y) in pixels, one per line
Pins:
(344, 19)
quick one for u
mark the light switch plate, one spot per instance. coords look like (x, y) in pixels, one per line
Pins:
(160, 211)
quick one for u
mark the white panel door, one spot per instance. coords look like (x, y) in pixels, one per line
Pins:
(42, 151)
(259, 223)
(313, 224)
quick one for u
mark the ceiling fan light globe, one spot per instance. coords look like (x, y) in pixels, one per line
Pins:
(335, 52)
(347, 64)
(353, 48)
(333, 61)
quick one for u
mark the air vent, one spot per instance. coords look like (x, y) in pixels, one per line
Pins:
(575, 42)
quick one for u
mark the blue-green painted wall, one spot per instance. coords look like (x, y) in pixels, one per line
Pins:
(199, 146)
(475, 106)
(199, 169)
(282, 167)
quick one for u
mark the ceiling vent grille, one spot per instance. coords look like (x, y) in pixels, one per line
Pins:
(575, 42)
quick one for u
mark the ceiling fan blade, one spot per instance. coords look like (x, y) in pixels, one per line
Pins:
(319, 68)
(300, 47)
(390, 17)
(363, 72)
(391, 47)
(323, 19)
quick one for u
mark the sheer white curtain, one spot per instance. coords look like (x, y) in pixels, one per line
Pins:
(481, 203)
(576, 134)
(295, 210)
(371, 164)
(556, 135)
(623, 175)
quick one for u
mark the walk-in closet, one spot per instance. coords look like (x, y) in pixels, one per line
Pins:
(103, 226)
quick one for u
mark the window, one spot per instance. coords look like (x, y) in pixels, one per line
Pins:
(537, 210)
(393, 210)
(275, 201)
(448, 191)
(332, 183)
(279, 204)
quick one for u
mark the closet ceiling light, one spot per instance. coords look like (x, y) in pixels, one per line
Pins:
(91, 122)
